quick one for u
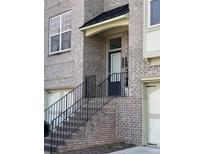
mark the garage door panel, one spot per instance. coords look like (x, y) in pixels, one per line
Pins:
(154, 137)
(55, 95)
(153, 98)
(153, 107)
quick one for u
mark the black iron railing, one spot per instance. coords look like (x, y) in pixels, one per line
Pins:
(68, 100)
(76, 115)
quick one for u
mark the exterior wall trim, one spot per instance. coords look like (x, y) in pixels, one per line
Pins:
(60, 33)
(108, 38)
(148, 7)
(144, 106)
(150, 79)
(146, 29)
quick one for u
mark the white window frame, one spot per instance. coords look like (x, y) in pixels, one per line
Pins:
(60, 33)
(149, 15)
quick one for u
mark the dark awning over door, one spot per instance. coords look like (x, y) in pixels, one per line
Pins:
(122, 10)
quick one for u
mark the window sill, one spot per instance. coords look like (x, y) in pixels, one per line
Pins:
(59, 52)
(154, 61)
(153, 28)
(151, 54)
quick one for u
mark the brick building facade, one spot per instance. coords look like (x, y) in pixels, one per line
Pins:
(126, 117)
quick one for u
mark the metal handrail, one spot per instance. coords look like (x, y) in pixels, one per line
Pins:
(58, 105)
(83, 109)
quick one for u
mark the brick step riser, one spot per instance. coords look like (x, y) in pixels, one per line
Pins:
(54, 143)
(85, 110)
(78, 119)
(62, 135)
(72, 123)
(48, 148)
(67, 128)
(48, 141)
(83, 114)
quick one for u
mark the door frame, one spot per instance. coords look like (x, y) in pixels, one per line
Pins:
(115, 84)
(155, 80)
(108, 51)
(109, 55)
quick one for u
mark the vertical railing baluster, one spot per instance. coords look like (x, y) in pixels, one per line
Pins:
(51, 147)
(87, 110)
(53, 112)
(75, 117)
(115, 84)
(101, 93)
(66, 106)
(123, 78)
(121, 84)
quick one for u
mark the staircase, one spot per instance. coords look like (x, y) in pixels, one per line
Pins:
(74, 110)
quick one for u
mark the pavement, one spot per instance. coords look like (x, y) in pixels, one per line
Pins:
(138, 150)
(135, 150)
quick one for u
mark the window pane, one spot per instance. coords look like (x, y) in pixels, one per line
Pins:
(66, 21)
(115, 43)
(155, 12)
(66, 40)
(55, 25)
(55, 43)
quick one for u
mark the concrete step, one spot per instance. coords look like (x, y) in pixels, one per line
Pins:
(90, 108)
(56, 149)
(77, 119)
(72, 123)
(83, 113)
(67, 128)
(47, 140)
(62, 134)
(47, 147)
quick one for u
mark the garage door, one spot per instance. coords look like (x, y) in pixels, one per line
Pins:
(55, 95)
(153, 117)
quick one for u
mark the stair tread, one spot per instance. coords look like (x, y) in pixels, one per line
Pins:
(48, 145)
(49, 138)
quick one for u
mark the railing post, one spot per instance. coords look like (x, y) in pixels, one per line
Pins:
(51, 148)
(87, 109)
(66, 102)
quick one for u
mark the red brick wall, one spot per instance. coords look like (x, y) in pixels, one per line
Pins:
(101, 129)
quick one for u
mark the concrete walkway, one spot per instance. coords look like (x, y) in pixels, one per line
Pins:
(138, 150)
(135, 150)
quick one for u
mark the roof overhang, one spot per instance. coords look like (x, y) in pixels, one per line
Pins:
(119, 21)
(117, 17)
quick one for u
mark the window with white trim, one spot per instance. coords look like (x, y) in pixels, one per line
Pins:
(154, 12)
(60, 33)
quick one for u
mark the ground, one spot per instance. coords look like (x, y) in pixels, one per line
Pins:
(118, 148)
(103, 149)
(138, 150)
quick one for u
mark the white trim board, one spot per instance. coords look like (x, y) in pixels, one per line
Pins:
(145, 81)
(150, 79)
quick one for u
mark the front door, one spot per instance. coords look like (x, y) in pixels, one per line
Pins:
(114, 65)
(153, 117)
